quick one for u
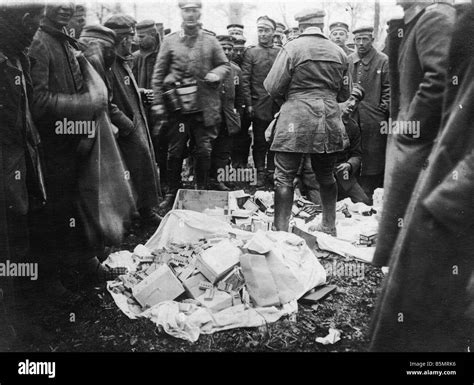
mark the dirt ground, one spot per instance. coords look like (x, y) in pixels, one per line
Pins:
(97, 325)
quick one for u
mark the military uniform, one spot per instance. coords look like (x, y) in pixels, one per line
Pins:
(311, 73)
(371, 72)
(257, 62)
(184, 57)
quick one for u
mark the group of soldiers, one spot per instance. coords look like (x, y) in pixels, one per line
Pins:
(95, 131)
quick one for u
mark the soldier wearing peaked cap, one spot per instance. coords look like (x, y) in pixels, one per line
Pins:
(370, 70)
(232, 105)
(261, 108)
(339, 33)
(189, 69)
(235, 30)
(278, 38)
(134, 136)
(311, 73)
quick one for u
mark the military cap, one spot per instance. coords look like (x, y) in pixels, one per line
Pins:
(189, 4)
(226, 40)
(99, 32)
(265, 21)
(364, 30)
(280, 27)
(146, 26)
(240, 40)
(121, 24)
(338, 25)
(311, 16)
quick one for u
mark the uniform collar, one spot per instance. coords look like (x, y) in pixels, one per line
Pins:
(414, 11)
(367, 58)
(313, 31)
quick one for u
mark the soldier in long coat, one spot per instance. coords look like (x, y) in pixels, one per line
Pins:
(134, 135)
(427, 300)
(418, 52)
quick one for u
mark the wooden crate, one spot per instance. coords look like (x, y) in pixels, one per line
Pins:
(200, 200)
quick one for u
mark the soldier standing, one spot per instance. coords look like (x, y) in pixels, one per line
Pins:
(260, 106)
(144, 60)
(311, 73)
(232, 101)
(370, 70)
(339, 33)
(134, 137)
(279, 37)
(190, 66)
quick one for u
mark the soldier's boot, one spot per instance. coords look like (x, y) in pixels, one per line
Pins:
(148, 216)
(214, 184)
(260, 179)
(328, 199)
(283, 205)
(202, 169)
(174, 167)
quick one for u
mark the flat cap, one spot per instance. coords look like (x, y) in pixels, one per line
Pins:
(189, 4)
(240, 40)
(280, 27)
(238, 26)
(313, 16)
(265, 21)
(226, 39)
(146, 25)
(338, 25)
(121, 24)
(99, 32)
(364, 30)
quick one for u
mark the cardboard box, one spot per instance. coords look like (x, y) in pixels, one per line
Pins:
(161, 285)
(214, 263)
(191, 285)
(200, 200)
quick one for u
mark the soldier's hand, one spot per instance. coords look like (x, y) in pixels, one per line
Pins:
(212, 78)
(158, 112)
(250, 111)
(345, 168)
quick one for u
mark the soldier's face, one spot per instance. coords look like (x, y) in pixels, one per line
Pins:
(191, 16)
(277, 39)
(146, 41)
(228, 50)
(265, 35)
(60, 14)
(125, 47)
(363, 43)
(77, 23)
(339, 37)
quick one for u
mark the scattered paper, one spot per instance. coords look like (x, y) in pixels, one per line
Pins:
(333, 336)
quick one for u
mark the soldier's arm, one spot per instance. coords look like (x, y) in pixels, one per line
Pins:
(246, 76)
(346, 86)
(385, 92)
(117, 116)
(46, 102)
(239, 95)
(355, 149)
(221, 65)
(278, 79)
(161, 69)
(433, 36)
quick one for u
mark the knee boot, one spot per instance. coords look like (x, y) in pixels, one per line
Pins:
(283, 205)
(328, 199)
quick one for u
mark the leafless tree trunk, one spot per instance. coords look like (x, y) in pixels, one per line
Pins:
(377, 19)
